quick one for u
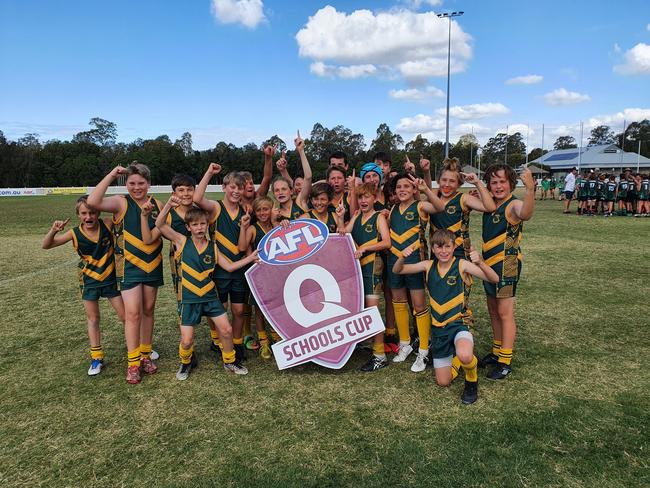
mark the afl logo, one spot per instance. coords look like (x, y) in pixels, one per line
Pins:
(301, 239)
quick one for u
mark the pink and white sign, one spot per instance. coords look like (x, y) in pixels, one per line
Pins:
(309, 286)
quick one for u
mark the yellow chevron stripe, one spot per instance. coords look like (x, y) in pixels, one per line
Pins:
(492, 243)
(398, 252)
(446, 307)
(221, 239)
(369, 243)
(368, 259)
(459, 241)
(195, 289)
(402, 238)
(99, 262)
(455, 227)
(497, 258)
(199, 276)
(445, 322)
(99, 277)
(138, 244)
(143, 265)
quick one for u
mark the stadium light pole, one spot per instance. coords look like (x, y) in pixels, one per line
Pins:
(448, 15)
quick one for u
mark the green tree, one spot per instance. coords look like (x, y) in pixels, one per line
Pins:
(103, 133)
(565, 142)
(600, 135)
(185, 144)
(386, 141)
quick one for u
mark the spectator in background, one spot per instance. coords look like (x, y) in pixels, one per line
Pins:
(569, 188)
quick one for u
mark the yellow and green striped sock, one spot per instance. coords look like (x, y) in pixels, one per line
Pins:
(96, 352)
(185, 354)
(133, 357)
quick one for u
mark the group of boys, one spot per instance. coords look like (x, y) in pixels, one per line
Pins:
(600, 193)
(212, 243)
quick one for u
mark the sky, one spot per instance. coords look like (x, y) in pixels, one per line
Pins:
(240, 71)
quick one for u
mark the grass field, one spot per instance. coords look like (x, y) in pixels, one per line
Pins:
(575, 412)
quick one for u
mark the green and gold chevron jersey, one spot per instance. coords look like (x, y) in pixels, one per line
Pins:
(226, 235)
(366, 233)
(177, 223)
(447, 297)
(195, 269)
(330, 221)
(407, 230)
(258, 233)
(501, 240)
(610, 190)
(135, 261)
(454, 218)
(97, 263)
(295, 213)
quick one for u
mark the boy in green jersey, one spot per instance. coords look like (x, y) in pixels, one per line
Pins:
(446, 277)
(196, 257)
(93, 242)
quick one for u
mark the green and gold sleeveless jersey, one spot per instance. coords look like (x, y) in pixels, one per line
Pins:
(97, 263)
(177, 223)
(195, 268)
(226, 235)
(135, 261)
(454, 218)
(447, 298)
(366, 233)
(330, 222)
(407, 229)
(258, 233)
(295, 213)
(501, 240)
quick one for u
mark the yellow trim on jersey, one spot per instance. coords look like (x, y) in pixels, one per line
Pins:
(226, 243)
(143, 265)
(98, 262)
(492, 243)
(197, 275)
(75, 243)
(415, 246)
(445, 322)
(446, 307)
(99, 277)
(455, 227)
(463, 205)
(120, 218)
(367, 259)
(451, 263)
(401, 238)
(497, 258)
(140, 245)
(87, 236)
(369, 243)
(195, 289)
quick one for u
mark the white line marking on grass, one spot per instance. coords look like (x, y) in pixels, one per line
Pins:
(37, 273)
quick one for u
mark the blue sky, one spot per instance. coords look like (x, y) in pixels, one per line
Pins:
(243, 70)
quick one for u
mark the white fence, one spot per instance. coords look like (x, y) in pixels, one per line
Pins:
(83, 190)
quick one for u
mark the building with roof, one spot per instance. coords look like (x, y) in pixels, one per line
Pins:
(607, 157)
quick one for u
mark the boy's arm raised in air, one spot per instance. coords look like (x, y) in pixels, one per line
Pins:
(230, 267)
(477, 267)
(148, 235)
(166, 229)
(433, 203)
(97, 199)
(484, 202)
(400, 268)
(263, 189)
(245, 232)
(51, 239)
(281, 164)
(523, 209)
(199, 193)
(303, 196)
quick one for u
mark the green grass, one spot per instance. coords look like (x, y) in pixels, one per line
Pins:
(575, 412)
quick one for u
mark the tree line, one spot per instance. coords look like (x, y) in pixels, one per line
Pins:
(89, 155)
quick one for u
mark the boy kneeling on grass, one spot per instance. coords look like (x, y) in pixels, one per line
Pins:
(196, 257)
(446, 277)
(93, 241)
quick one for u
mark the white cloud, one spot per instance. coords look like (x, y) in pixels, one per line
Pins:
(561, 96)
(525, 80)
(523, 129)
(416, 4)
(352, 71)
(249, 13)
(615, 120)
(637, 61)
(475, 111)
(410, 44)
(417, 94)
(420, 123)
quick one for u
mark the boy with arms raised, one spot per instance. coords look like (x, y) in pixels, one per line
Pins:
(290, 209)
(370, 233)
(502, 233)
(138, 266)
(93, 241)
(225, 215)
(407, 222)
(196, 257)
(446, 277)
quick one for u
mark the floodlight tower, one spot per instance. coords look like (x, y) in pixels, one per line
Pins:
(448, 15)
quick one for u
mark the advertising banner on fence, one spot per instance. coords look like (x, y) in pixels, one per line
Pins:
(308, 285)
